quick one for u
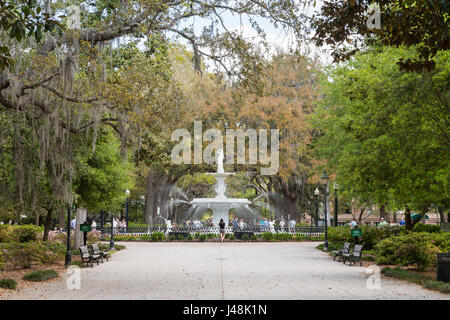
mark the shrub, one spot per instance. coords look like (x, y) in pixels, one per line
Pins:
(24, 254)
(421, 227)
(267, 236)
(8, 283)
(157, 236)
(19, 233)
(232, 237)
(437, 285)
(427, 281)
(412, 249)
(245, 237)
(40, 275)
(119, 247)
(202, 237)
(254, 237)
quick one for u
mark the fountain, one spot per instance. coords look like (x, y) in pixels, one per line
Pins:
(220, 204)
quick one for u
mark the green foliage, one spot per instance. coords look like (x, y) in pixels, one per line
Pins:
(400, 25)
(267, 236)
(245, 237)
(19, 233)
(417, 249)
(418, 278)
(384, 131)
(371, 235)
(232, 237)
(422, 227)
(202, 237)
(23, 19)
(24, 254)
(103, 176)
(158, 236)
(40, 275)
(8, 283)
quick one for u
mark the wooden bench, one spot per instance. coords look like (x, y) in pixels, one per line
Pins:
(87, 257)
(354, 256)
(96, 251)
(345, 250)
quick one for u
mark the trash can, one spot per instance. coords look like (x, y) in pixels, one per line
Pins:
(443, 267)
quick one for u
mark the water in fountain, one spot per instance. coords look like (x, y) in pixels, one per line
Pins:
(220, 205)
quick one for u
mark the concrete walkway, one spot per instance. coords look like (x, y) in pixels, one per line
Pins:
(172, 270)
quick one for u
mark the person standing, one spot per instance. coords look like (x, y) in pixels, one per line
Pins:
(353, 224)
(93, 225)
(73, 223)
(115, 224)
(241, 224)
(282, 224)
(292, 223)
(222, 229)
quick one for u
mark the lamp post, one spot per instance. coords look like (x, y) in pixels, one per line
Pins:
(336, 187)
(316, 194)
(127, 192)
(101, 221)
(68, 253)
(325, 180)
(111, 242)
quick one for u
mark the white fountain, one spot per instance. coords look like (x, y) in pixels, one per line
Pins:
(220, 204)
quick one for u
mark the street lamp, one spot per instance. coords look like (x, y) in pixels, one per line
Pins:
(336, 187)
(316, 193)
(68, 252)
(325, 180)
(127, 192)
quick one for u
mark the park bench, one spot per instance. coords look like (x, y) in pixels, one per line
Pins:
(96, 251)
(354, 256)
(345, 250)
(87, 257)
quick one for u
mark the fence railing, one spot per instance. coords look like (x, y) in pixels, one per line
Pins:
(310, 231)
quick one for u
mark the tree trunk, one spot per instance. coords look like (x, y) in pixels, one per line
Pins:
(383, 212)
(361, 212)
(441, 214)
(408, 222)
(37, 217)
(61, 219)
(48, 222)
(80, 218)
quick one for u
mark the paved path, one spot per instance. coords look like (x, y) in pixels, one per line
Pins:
(225, 271)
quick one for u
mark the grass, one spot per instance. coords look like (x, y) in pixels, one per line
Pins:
(40, 275)
(8, 283)
(418, 278)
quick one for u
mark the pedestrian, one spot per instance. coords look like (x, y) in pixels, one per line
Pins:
(241, 224)
(115, 224)
(235, 224)
(382, 222)
(222, 229)
(93, 225)
(292, 223)
(282, 224)
(73, 223)
(353, 224)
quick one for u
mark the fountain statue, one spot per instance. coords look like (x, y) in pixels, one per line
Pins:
(220, 204)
